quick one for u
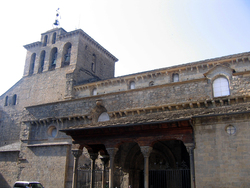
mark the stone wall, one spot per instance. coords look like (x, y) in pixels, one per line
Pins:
(171, 93)
(154, 96)
(104, 65)
(9, 170)
(222, 160)
(46, 164)
(207, 73)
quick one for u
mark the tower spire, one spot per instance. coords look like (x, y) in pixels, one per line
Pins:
(57, 23)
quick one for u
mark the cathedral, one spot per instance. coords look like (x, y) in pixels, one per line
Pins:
(70, 123)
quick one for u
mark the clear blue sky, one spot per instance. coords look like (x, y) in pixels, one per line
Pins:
(142, 34)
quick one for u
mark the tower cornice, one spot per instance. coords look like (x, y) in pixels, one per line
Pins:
(32, 45)
(89, 39)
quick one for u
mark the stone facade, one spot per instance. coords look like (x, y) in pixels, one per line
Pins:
(172, 111)
(222, 160)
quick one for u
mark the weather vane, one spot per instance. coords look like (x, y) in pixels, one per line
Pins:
(57, 23)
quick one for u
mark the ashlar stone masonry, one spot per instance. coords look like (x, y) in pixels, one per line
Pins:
(70, 123)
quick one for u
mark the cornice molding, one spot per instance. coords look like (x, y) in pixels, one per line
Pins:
(33, 45)
(89, 39)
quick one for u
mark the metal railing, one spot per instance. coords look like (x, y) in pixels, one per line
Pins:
(169, 178)
(84, 178)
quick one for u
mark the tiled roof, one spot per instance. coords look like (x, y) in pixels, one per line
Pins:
(168, 116)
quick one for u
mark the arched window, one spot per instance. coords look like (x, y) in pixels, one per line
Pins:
(94, 91)
(103, 117)
(14, 100)
(132, 85)
(93, 63)
(66, 54)
(41, 63)
(6, 101)
(175, 77)
(221, 87)
(53, 57)
(45, 39)
(54, 38)
(32, 63)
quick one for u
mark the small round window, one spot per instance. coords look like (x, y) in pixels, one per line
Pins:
(52, 131)
(230, 129)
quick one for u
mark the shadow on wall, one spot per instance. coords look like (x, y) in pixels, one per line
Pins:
(3, 183)
(8, 157)
(49, 151)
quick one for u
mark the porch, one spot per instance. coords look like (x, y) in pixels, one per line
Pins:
(145, 155)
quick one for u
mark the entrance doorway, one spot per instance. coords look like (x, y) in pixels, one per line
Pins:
(168, 165)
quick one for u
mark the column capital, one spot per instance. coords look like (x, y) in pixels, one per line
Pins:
(77, 153)
(189, 147)
(112, 152)
(146, 150)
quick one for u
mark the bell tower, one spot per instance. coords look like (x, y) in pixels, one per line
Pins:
(43, 55)
(69, 59)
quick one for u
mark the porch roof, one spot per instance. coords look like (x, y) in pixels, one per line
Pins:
(165, 117)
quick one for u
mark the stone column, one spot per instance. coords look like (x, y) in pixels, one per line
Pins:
(93, 156)
(76, 153)
(104, 159)
(146, 150)
(190, 149)
(111, 152)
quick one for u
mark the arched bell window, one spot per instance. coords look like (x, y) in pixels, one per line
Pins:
(32, 63)
(53, 58)
(45, 40)
(41, 62)
(66, 54)
(221, 87)
(14, 99)
(6, 101)
(54, 38)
